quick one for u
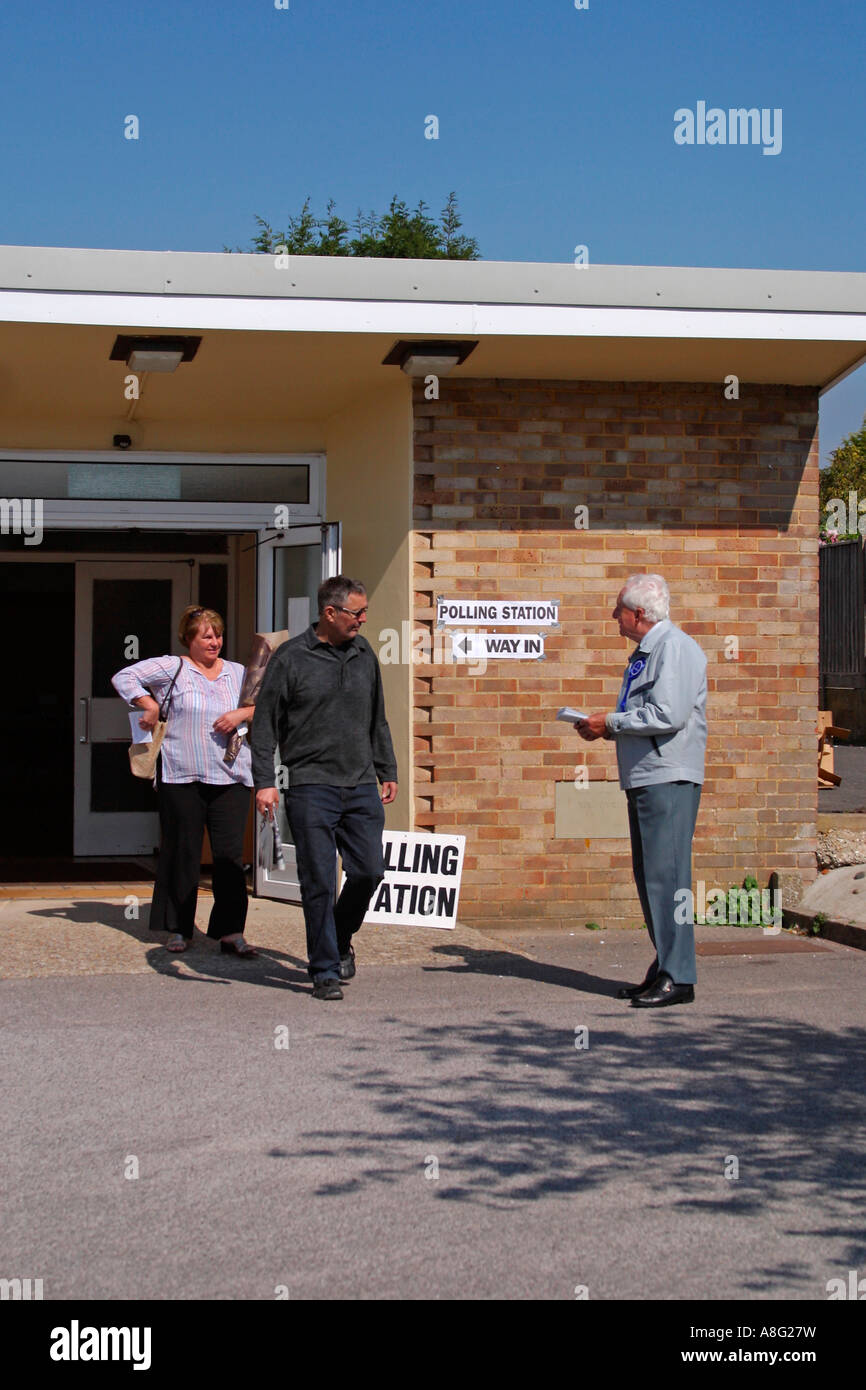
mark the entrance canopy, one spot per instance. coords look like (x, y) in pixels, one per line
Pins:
(308, 335)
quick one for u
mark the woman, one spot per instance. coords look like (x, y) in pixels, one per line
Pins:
(196, 787)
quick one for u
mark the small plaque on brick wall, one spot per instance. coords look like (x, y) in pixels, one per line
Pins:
(590, 811)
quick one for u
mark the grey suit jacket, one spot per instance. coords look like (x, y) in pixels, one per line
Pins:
(660, 726)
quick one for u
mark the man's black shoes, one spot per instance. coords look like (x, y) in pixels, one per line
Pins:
(630, 991)
(327, 989)
(330, 988)
(662, 992)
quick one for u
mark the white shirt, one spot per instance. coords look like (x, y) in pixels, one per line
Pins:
(192, 750)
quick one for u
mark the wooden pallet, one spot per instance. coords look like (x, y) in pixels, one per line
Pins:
(826, 731)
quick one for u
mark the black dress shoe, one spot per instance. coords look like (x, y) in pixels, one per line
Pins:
(662, 992)
(347, 965)
(629, 991)
(327, 989)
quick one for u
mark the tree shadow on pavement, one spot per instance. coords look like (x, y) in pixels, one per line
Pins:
(512, 1111)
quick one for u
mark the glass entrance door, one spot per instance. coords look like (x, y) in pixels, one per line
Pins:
(290, 572)
(123, 613)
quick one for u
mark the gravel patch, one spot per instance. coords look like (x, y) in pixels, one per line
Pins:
(838, 848)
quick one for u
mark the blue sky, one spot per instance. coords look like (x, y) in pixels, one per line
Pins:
(555, 127)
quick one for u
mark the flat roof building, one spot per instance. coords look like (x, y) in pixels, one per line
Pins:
(555, 428)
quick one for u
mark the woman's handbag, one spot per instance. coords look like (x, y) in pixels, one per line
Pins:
(143, 756)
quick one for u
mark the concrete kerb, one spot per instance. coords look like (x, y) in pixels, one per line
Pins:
(845, 933)
(837, 899)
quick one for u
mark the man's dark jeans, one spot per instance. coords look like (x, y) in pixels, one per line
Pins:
(323, 820)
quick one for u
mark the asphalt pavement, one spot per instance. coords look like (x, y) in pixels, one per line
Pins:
(849, 764)
(479, 1124)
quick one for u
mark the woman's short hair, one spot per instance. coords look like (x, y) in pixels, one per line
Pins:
(649, 592)
(193, 619)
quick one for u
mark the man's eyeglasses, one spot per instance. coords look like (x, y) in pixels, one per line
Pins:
(355, 612)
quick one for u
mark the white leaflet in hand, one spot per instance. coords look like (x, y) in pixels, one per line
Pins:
(270, 844)
(139, 735)
(279, 861)
(569, 715)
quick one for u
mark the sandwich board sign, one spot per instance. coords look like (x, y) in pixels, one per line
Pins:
(421, 887)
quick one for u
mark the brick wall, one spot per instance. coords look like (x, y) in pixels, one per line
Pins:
(721, 497)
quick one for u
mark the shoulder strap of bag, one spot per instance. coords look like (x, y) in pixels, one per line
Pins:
(163, 709)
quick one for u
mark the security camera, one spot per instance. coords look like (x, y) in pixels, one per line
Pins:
(122, 441)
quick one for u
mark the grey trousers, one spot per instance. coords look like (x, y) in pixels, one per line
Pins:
(662, 820)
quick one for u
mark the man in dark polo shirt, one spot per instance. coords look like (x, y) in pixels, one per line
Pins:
(321, 700)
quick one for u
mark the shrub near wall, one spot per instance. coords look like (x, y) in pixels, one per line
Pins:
(718, 495)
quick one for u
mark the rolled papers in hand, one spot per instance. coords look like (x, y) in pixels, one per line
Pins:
(569, 715)
(279, 861)
(270, 843)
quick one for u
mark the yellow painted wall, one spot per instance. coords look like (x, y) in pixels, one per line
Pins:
(57, 430)
(369, 449)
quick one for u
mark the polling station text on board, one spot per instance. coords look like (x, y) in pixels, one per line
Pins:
(421, 887)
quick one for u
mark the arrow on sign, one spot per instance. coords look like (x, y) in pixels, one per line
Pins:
(498, 646)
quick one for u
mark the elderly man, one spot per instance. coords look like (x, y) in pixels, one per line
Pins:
(321, 700)
(660, 730)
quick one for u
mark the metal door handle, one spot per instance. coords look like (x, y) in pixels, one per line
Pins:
(85, 737)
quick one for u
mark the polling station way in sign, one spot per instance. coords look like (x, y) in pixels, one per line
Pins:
(490, 646)
(504, 612)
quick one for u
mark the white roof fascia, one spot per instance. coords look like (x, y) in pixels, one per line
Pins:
(206, 274)
(179, 313)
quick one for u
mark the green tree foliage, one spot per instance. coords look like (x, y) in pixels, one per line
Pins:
(397, 233)
(846, 473)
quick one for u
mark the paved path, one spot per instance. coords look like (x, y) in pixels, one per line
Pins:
(850, 764)
(110, 936)
(314, 1166)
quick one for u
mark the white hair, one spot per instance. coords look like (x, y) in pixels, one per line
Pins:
(649, 592)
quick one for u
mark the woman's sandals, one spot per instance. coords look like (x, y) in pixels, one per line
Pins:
(238, 948)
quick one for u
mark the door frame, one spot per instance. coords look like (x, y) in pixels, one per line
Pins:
(106, 833)
(286, 888)
(191, 559)
(219, 517)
